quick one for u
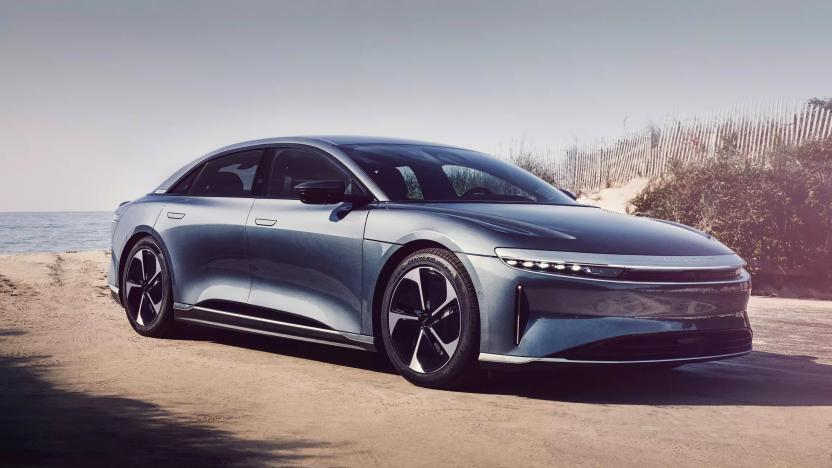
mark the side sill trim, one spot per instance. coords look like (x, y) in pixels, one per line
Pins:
(273, 322)
(508, 359)
(268, 333)
(113, 289)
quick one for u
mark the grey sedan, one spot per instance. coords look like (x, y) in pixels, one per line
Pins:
(445, 259)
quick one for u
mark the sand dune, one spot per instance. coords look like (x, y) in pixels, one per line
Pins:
(615, 198)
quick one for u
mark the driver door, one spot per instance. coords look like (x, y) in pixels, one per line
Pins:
(305, 259)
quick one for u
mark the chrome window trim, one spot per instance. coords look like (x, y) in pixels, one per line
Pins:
(508, 359)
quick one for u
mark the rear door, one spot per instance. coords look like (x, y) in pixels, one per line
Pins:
(306, 259)
(203, 228)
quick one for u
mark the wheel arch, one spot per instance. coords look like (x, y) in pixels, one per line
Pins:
(140, 233)
(393, 261)
(384, 277)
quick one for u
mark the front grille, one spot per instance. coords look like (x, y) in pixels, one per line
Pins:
(660, 346)
(685, 276)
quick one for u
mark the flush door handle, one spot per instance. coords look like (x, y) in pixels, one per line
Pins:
(175, 215)
(265, 222)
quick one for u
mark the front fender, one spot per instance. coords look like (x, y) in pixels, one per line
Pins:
(458, 233)
(137, 218)
(388, 230)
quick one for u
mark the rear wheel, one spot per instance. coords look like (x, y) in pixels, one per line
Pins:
(146, 290)
(430, 320)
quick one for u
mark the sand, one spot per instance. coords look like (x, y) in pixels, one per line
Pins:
(78, 386)
(616, 198)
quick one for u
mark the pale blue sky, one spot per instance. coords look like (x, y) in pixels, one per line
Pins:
(101, 101)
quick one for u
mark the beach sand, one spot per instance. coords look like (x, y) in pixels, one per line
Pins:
(79, 386)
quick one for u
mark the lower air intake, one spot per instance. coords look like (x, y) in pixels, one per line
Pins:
(660, 346)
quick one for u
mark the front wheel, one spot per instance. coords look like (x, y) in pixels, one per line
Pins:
(146, 291)
(430, 320)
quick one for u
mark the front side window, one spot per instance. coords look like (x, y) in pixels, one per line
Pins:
(438, 174)
(228, 176)
(293, 166)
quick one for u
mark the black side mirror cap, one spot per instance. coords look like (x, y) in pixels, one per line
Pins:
(569, 194)
(321, 192)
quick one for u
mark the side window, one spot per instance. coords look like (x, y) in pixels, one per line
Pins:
(183, 187)
(294, 166)
(228, 176)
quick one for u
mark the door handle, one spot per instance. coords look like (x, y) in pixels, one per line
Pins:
(265, 222)
(175, 215)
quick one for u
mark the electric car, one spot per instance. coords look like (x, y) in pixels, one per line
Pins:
(445, 259)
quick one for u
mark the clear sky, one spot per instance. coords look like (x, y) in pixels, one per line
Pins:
(101, 101)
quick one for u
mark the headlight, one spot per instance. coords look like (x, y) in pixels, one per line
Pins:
(562, 267)
(630, 268)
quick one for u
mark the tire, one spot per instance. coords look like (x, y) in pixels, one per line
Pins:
(146, 291)
(431, 338)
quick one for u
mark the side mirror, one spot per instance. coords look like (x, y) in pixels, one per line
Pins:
(321, 192)
(569, 194)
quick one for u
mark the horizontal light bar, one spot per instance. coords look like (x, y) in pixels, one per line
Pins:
(649, 262)
(623, 273)
(564, 267)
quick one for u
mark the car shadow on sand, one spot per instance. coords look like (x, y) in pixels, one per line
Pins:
(759, 379)
(44, 425)
(300, 349)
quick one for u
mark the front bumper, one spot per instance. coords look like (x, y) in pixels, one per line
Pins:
(532, 318)
(674, 348)
(498, 360)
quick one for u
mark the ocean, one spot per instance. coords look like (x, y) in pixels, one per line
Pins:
(55, 232)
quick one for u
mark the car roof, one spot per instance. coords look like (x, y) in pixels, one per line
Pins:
(339, 140)
(314, 140)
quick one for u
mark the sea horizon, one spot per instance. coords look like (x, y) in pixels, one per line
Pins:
(54, 211)
(54, 231)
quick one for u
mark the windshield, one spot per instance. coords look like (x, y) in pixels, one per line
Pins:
(439, 174)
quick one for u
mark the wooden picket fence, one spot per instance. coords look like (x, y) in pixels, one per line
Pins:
(750, 130)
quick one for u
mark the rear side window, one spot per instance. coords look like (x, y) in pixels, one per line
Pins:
(231, 175)
(183, 187)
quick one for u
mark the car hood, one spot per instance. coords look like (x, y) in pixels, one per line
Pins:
(581, 228)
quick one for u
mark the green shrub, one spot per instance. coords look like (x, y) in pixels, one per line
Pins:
(777, 216)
